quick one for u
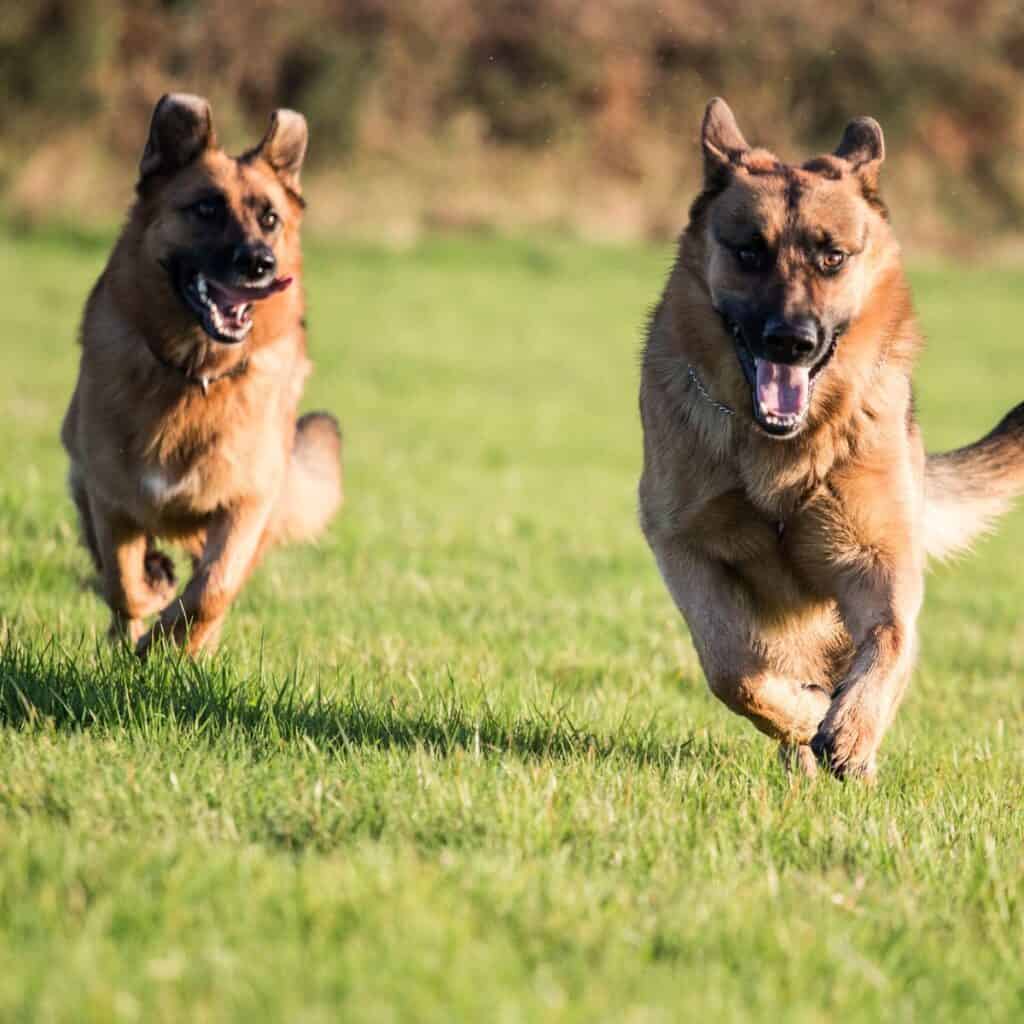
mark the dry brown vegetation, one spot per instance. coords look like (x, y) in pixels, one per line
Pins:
(557, 114)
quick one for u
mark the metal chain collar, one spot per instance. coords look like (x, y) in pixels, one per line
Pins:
(780, 525)
(706, 395)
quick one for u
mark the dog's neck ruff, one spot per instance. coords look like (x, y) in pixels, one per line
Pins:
(706, 395)
(201, 380)
(780, 524)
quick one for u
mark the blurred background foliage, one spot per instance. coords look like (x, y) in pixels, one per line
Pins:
(565, 115)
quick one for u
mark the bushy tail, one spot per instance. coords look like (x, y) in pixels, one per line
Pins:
(967, 490)
(312, 490)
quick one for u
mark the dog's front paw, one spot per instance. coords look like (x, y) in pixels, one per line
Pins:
(798, 760)
(846, 742)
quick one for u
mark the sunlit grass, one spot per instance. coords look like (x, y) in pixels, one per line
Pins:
(457, 761)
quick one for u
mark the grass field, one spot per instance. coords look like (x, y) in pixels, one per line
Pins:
(458, 762)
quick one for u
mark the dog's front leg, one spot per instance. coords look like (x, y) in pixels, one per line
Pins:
(137, 580)
(726, 631)
(880, 612)
(233, 545)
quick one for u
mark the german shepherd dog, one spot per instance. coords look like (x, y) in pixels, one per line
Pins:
(786, 493)
(182, 424)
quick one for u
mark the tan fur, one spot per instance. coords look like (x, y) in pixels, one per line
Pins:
(968, 490)
(154, 453)
(798, 564)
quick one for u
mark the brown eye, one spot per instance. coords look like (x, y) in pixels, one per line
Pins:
(832, 260)
(269, 220)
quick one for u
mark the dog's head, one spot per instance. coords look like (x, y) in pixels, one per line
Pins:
(790, 256)
(224, 228)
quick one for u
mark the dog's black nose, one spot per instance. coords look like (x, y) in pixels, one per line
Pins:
(790, 341)
(254, 262)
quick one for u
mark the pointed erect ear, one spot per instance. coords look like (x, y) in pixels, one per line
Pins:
(284, 146)
(863, 148)
(181, 129)
(721, 139)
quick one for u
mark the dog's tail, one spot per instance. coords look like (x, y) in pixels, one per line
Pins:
(968, 489)
(312, 491)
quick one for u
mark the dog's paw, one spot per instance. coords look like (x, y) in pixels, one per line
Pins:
(846, 743)
(158, 634)
(798, 760)
(144, 645)
(125, 631)
(160, 575)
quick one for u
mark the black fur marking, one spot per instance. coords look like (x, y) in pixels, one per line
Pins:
(825, 166)
(251, 156)
(794, 191)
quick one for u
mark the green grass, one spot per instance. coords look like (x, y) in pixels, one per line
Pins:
(458, 762)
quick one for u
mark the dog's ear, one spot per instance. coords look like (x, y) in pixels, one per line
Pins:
(863, 148)
(721, 140)
(284, 146)
(181, 129)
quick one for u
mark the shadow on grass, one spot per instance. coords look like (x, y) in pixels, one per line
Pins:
(55, 689)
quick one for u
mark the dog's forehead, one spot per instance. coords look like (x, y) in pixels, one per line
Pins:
(752, 202)
(258, 178)
(772, 200)
(241, 180)
(830, 209)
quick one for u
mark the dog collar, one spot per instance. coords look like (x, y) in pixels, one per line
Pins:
(780, 524)
(202, 381)
(706, 395)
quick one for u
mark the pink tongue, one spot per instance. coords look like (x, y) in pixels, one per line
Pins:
(782, 390)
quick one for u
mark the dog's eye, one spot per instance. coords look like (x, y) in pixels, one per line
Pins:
(269, 220)
(832, 260)
(207, 209)
(751, 257)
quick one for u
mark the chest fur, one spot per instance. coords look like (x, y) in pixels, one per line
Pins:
(213, 458)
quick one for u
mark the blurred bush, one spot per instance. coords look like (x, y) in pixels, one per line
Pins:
(561, 114)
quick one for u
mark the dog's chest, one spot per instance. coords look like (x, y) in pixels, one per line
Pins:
(161, 487)
(781, 554)
(212, 451)
(189, 481)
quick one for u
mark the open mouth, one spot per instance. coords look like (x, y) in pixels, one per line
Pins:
(225, 311)
(781, 391)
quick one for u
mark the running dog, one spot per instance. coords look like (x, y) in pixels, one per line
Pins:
(786, 493)
(182, 425)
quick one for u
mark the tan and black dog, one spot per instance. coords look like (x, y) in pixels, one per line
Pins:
(183, 421)
(786, 493)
